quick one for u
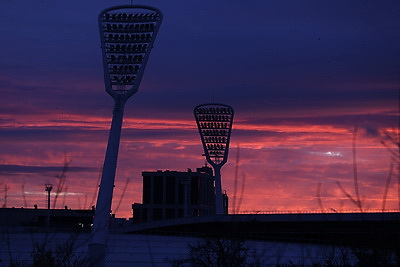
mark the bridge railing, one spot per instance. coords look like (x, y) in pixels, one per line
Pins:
(317, 211)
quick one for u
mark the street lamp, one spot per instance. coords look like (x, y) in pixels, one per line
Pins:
(48, 188)
(127, 35)
(214, 122)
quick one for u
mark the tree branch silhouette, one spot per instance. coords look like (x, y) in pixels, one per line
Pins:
(355, 170)
(62, 179)
(389, 178)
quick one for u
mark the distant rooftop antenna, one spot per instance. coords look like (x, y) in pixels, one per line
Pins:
(127, 35)
(214, 122)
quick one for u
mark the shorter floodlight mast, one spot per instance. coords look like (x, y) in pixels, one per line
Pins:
(214, 122)
(48, 188)
(127, 35)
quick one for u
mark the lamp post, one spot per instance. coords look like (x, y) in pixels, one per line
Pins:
(214, 122)
(127, 35)
(48, 188)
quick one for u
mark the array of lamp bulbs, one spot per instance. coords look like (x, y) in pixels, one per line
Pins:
(214, 124)
(127, 38)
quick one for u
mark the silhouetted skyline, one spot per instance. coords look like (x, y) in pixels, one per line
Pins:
(300, 76)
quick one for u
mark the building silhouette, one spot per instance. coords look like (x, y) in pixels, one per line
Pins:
(38, 219)
(173, 194)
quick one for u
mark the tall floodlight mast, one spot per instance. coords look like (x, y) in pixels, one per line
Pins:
(214, 122)
(127, 34)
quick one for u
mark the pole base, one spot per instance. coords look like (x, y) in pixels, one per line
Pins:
(97, 255)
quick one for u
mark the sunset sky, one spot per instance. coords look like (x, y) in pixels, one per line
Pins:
(302, 76)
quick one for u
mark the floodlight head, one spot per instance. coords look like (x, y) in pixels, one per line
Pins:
(127, 34)
(48, 187)
(214, 122)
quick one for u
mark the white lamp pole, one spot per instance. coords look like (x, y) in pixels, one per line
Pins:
(127, 35)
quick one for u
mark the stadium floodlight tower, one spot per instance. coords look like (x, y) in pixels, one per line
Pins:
(127, 35)
(214, 122)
